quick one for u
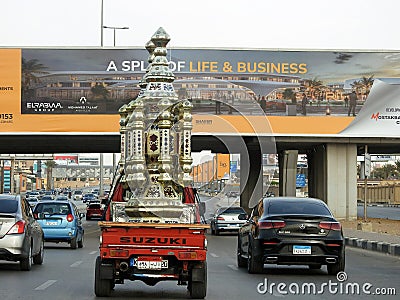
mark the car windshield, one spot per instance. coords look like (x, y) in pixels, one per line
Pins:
(8, 206)
(232, 210)
(53, 209)
(290, 208)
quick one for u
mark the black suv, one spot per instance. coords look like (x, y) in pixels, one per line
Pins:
(21, 237)
(291, 231)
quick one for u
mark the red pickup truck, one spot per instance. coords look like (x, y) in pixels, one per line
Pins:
(152, 253)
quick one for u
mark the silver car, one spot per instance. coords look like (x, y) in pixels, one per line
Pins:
(228, 219)
(21, 237)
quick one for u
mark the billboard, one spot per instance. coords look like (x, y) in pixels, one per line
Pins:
(232, 90)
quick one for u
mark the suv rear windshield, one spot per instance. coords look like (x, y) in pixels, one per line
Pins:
(290, 208)
(8, 206)
(53, 209)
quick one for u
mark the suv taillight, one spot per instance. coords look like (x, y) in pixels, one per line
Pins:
(17, 228)
(330, 225)
(269, 224)
(70, 217)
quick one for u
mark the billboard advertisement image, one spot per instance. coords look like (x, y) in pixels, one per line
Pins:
(298, 92)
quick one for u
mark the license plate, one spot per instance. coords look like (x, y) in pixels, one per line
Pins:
(301, 249)
(51, 223)
(149, 264)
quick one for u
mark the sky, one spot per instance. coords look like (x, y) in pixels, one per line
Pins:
(251, 24)
(292, 24)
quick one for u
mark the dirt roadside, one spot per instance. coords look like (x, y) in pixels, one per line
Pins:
(378, 225)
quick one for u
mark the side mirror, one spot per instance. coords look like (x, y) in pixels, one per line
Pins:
(81, 215)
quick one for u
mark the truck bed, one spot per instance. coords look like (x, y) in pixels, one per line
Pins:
(152, 225)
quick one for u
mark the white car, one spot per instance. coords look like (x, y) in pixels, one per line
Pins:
(77, 195)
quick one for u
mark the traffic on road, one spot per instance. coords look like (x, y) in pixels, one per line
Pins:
(63, 274)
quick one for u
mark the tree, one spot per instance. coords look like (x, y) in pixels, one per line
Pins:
(289, 94)
(357, 86)
(312, 86)
(50, 164)
(99, 91)
(387, 171)
(366, 84)
(29, 69)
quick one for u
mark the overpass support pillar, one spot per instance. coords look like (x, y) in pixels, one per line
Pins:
(333, 178)
(251, 178)
(287, 172)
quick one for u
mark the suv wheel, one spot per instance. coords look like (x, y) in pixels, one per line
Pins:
(241, 262)
(254, 261)
(333, 269)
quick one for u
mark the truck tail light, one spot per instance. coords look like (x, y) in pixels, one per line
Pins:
(17, 228)
(270, 224)
(119, 253)
(330, 225)
(187, 255)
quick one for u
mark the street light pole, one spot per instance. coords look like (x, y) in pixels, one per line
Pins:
(101, 24)
(114, 29)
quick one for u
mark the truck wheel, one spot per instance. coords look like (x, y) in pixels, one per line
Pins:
(241, 262)
(254, 262)
(102, 287)
(198, 288)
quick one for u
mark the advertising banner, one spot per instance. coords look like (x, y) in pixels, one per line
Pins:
(232, 90)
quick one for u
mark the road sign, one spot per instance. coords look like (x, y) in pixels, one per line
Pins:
(233, 166)
(367, 166)
(300, 180)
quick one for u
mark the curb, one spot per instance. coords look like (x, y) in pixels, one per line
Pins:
(387, 248)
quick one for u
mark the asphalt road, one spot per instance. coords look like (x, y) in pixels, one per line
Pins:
(69, 274)
(392, 213)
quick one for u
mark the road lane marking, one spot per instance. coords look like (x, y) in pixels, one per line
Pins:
(93, 252)
(233, 267)
(213, 254)
(45, 285)
(75, 264)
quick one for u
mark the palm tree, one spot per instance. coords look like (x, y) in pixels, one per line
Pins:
(357, 86)
(99, 91)
(366, 83)
(29, 69)
(313, 86)
(50, 164)
(289, 94)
